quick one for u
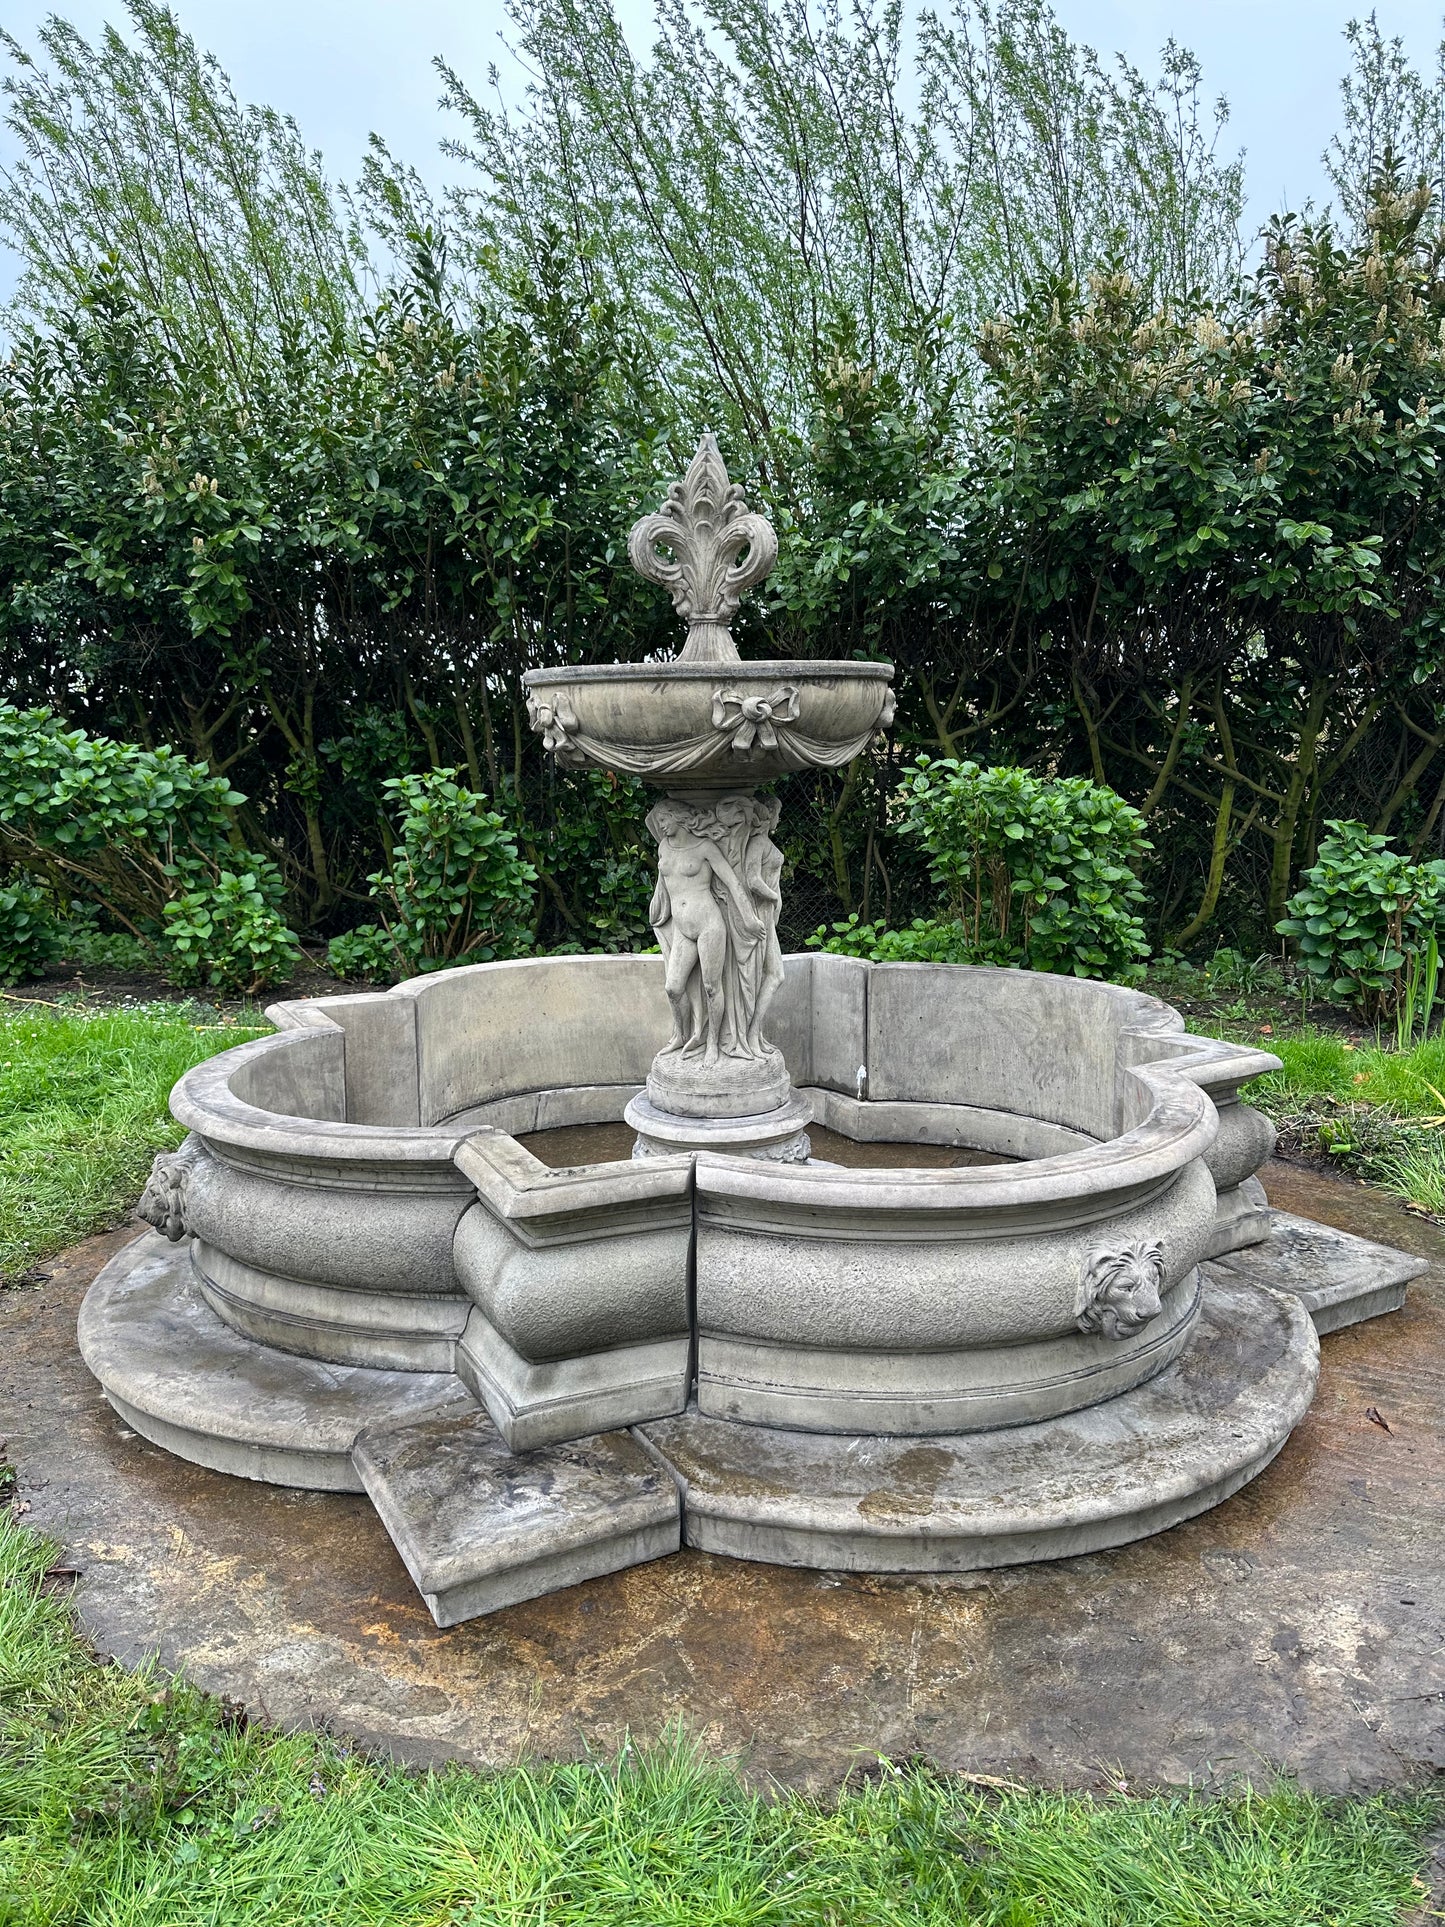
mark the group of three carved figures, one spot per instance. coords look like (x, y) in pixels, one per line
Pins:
(715, 914)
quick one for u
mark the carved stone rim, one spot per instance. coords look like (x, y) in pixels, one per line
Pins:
(794, 668)
(1180, 1126)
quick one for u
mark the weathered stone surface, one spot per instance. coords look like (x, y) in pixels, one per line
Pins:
(580, 1280)
(1245, 1140)
(555, 1298)
(1241, 1217)
(537, 1402)
(336, 1235)
(486, 1031)
(380, 1058)
(780, 1134)
(1011, 1040)
(1300, 1626)
(186, 1381)
(915, 1393)
(338, 1323)
(925, 1302)
(1140, 1462)
(480, 1528)
(1339, 1278)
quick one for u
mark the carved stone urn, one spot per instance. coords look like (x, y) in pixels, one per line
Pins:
(708, 729)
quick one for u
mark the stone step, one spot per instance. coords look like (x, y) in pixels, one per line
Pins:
(184, 1380)
(1117, 1471)
(1339, 1278)
(479, 1527)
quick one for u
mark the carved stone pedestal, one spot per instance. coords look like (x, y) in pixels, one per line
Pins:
(715, 912)
(684, 1084)
(780, 1136)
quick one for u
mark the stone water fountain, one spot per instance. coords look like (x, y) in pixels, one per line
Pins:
(540, 1256)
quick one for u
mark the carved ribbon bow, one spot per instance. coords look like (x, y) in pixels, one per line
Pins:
(751, 718)
(556, 720)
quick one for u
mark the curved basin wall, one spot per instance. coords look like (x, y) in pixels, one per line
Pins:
(355, 1193)
(326, 1205)
(311, 1233)
(948, 1301)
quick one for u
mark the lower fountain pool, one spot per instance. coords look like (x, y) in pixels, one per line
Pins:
(1042, 1203)
(575, 1144)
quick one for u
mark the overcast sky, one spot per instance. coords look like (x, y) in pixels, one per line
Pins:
(346, 67)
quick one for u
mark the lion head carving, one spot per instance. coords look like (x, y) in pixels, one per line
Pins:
(1121, 1290)
(163, 1202)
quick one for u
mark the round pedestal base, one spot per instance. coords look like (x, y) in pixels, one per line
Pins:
(685, 1085)
(778, 1135)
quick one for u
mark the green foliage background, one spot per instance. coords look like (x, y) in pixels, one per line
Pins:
(300, 479)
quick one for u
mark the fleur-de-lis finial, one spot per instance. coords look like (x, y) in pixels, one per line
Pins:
(707, 525)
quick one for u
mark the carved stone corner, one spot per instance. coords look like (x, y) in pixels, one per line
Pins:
(1120, 1289)
(164, 1200)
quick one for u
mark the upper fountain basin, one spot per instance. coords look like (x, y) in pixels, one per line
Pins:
(710, 725)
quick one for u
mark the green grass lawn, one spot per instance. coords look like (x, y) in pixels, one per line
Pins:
(130, 1801)
(83, 1111)
(1379, 1112)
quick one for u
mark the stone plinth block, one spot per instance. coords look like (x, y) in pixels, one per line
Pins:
(480, 1528)
(733, 1087)
(1079, 1483)
(1338, 1278)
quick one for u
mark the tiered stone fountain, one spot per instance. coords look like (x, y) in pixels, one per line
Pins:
(1032, 1303)
(709, 730)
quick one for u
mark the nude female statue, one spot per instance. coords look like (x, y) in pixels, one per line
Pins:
(687, 913)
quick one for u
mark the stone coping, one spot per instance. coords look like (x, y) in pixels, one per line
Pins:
(796, 669)
(1181, 1125)
(1174, 1079)
(205, 1103)
(536, 1197)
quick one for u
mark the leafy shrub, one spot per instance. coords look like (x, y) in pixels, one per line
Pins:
(1036, 870)
(227, 932)
(146, 838)
(598, 845)
(926, 940)
(1362, 916)
(365, 955)
(109, 815)
(84, 940)
(457, 890)
(29, 935)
